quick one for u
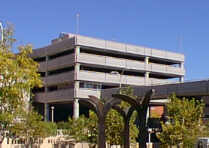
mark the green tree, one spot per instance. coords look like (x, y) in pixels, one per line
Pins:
(115, 124)
(114, 128)
(83, 128)
(18, 75)
(86, 129)
(31, 127)
(185, 122)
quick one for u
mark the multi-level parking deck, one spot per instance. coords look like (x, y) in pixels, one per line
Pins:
(75, 66)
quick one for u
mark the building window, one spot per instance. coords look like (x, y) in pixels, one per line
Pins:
(90, 85)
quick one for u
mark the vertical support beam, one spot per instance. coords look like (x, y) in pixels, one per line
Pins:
(77, 65)
(146, 60)
(75, 109)
(76, 84)
(46, 105)
(46, 112)
(182, 65)
(181, 79)
(75, 102)
(147, 78)
(77, 70)
(77, 53)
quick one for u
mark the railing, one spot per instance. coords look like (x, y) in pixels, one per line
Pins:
(121, 47)
(55, 96)
(59, 78)
(117, 79)
(54, 48)
(85, 92)
(129, 64)
(57, 63)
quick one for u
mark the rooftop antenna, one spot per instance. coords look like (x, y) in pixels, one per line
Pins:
(77, 23)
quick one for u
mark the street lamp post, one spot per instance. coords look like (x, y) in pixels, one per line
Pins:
(52, 107)
(120, 75)
(2, 31)
(149, 144)
(149, 131)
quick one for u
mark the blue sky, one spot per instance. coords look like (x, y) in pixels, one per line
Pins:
(175, 25)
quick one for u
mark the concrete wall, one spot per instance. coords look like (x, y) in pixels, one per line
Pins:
(55, 96)
(129, 64)
(121, 47)
(54, 48)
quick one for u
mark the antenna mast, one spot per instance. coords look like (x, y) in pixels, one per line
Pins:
(77, 23)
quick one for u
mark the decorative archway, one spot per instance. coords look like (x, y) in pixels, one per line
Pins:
(141, 106)
(101, 109)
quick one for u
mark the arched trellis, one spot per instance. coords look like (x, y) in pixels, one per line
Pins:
(101, 109)
(141, 106)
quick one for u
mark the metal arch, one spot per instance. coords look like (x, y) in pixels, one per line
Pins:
(91, 103)
(98, 105)
(120, 111)
(109, 104)
(147, 98)
(141, 108)
(126, 98)
(101, 110)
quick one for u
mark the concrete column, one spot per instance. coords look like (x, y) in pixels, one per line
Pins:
(46, 105)
(182, 65)
(146, 60)
(76, 84)
(181, 79)
(75, 108)
(46, 112)
(77, 68)
(76, 103)
(147, 78)
(77, 52)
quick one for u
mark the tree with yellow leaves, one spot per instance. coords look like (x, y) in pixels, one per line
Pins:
(18, 75)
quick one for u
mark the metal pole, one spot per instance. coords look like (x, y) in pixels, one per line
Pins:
(52, 113)
(2, 32)
(77, 23)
